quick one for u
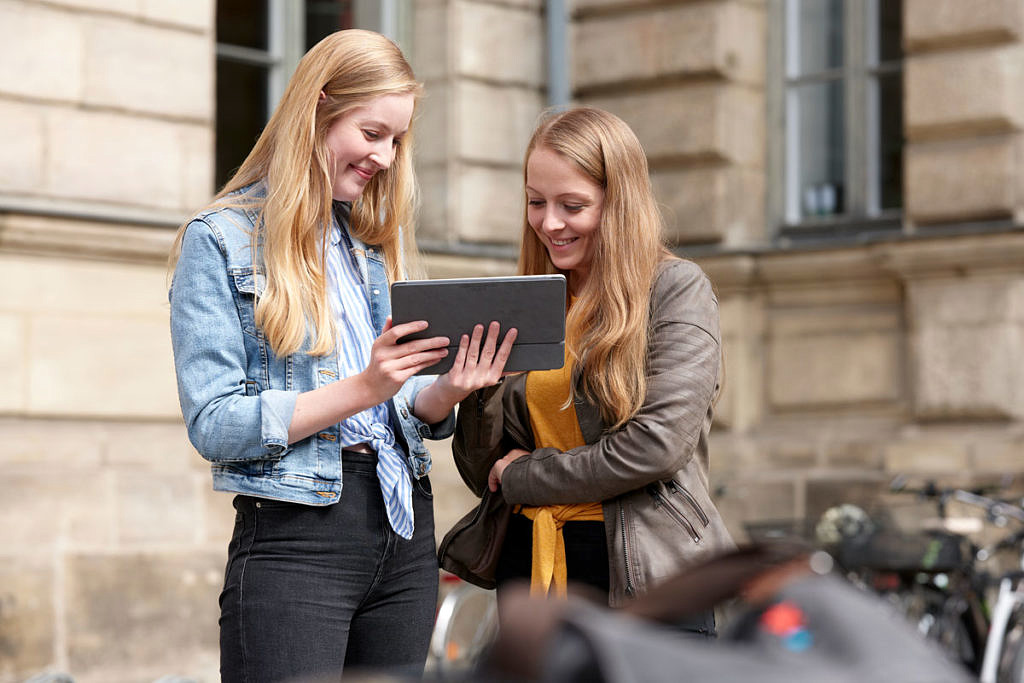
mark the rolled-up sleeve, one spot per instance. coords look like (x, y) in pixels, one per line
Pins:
(225, 422)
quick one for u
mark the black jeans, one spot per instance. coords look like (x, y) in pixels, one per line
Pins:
(309, 591)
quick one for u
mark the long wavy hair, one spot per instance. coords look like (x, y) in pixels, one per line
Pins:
(287, 179)
(607, 326)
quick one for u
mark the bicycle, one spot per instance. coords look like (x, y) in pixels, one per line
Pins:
(465, 626)
(934, 574)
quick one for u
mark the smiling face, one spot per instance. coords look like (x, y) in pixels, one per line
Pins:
(365, 140)
(564, 208)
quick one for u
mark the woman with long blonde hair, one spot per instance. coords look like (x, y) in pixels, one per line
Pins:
(603, 462)
(290, 374)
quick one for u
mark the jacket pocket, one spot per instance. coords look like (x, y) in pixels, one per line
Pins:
(669, 505)
(245, 284)
(679, 490)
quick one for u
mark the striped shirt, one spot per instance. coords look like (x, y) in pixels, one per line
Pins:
(355, 336)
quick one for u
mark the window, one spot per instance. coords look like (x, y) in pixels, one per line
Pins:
(840, 106)
(259, 42)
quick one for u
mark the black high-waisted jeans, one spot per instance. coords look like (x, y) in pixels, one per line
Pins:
(309, 591)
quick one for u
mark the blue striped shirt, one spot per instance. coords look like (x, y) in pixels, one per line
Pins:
(355, 336)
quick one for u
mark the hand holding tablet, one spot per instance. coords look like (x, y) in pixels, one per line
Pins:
(533, 304)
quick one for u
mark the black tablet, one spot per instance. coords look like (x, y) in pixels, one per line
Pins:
(533, 304)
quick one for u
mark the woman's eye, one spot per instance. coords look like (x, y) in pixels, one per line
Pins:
(574, 208)
(535, 202)
(371, 135)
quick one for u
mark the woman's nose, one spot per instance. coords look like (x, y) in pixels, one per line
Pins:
(383, 156)
(552, 221)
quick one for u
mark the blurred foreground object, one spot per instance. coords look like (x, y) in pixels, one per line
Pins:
(795, 624)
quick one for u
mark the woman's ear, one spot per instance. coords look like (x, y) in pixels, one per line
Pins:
(323, 96)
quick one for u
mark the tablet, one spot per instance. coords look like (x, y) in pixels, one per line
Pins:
(533, 304)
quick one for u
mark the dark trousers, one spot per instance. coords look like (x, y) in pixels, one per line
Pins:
(586, 562)
(309, 591)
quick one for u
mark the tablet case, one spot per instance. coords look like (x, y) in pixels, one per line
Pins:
(533, 304)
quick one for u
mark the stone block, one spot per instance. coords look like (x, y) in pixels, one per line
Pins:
(433, 140)
(741, 403)
(718, 39)
(55, 506)
(151, 69)
(160, 447)
(927, 456)
(966, 302)
(489, 204)
(142, 616)
(495, 122)
(436, 209)
(966, 336)
(976, 178)
(499, 44)
(123, 7)
(431, 43)
(197, 164)
(90, 140)
(28, 628)
(934, 24)
(710, 203)
(713, 121)
(13, 355)
(964, 93)
(864, 454)
(155, 507)
(1000, 457)
(743, 501)
(843, 357)
(23, 139)
(971, 371)
(51, 442)
(218, 515)
(198, 15)
(117, 367)
(445, 265)
(39, 47)
(33, 285)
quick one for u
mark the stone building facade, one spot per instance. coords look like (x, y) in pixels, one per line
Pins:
(876, 338)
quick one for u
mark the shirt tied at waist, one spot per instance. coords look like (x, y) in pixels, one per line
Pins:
(549, 544)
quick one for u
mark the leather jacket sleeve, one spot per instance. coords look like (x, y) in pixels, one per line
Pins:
(671, 426)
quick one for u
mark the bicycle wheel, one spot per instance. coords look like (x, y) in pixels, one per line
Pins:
(467, 622)
(1011, 660)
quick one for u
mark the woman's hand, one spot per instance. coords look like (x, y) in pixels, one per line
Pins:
(498, 468)
(392, 363)
(475, 366)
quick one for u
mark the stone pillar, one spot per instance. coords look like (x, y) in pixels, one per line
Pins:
(964, 110)
(689, 78)
(482, 62)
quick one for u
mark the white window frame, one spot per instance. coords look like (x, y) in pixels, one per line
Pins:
(862, 210)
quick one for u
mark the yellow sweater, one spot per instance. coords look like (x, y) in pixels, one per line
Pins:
(553, 427)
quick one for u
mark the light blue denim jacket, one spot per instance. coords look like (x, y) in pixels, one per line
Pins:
(237, 397)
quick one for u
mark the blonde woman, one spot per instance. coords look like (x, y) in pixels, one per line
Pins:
(293, 384)
(605, 461)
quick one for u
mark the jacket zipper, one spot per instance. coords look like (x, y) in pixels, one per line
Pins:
(661, 501)
(630, 591)
(688, 497)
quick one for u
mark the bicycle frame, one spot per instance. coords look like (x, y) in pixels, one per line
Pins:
(1010, 597)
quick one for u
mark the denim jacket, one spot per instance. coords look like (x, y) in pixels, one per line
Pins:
(237, 396)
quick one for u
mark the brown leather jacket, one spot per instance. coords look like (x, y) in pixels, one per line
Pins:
(651, 474)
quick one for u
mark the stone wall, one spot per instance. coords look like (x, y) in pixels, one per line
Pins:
(845, 364)
(111, 539)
